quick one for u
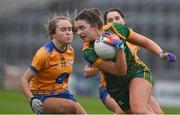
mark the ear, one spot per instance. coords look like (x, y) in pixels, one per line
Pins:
(94, 26)
(124, 22)
(53, 36)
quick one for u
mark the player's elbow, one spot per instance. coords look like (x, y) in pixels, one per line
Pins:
(121, 72)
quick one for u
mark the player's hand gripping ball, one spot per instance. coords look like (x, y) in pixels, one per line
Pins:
(113, 40)
(104, 50)
(36, 105)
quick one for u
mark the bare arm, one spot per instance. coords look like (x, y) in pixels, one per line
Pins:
(118, 68)
(24, 83)
(146, 43)
(90, 71)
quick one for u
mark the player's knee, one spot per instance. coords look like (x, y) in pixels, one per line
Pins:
(138, 109)
(118, 111)
(72, 109)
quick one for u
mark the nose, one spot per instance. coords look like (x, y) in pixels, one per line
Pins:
(79, 32)
(68, 32)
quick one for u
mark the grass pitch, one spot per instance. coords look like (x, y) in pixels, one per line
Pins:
(14, 102)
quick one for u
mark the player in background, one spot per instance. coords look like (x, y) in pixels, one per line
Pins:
(133, 91)
(116, 16)
(45, 82)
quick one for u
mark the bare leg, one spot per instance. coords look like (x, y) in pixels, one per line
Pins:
(139, 93)
(112, 105)
(81, 110)
(61, 106)
(155, 106)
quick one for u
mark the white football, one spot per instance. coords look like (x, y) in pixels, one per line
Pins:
(103, 50)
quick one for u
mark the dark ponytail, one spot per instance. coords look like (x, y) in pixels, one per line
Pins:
(91, 15)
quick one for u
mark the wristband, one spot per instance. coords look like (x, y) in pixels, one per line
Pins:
(161, 55)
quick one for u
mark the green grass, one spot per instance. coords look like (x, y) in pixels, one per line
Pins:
(14, 102)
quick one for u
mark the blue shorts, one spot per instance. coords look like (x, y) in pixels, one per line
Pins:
(103, 94)
(65, 94)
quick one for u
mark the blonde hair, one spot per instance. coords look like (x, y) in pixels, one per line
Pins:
(51, 25)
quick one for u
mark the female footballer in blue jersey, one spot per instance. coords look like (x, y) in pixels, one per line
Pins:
(133, 91)
(45, 82)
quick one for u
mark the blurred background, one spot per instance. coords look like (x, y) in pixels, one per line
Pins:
(22, 33)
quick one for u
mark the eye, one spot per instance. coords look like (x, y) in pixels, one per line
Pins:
(70, 28)
(110, 20)
(63, 29)
(82, 27)
(117, 17)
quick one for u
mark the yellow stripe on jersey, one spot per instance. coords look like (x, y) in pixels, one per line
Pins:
(86, 45)
(118, 33)
(102, 80)
(132, 34)
(133, 48)
(97, 62)
(111, 25)
(53, 69)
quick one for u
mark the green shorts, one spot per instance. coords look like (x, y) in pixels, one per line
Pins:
(121, 94)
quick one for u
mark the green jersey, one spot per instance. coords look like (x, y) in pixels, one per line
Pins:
(118, 86)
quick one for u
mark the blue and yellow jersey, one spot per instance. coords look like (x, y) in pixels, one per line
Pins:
(53, 68)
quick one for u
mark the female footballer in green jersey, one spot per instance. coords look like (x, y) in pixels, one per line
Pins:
(116, 16)
(133, 91)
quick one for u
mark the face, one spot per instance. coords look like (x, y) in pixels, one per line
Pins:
(115, 17)
(86, 31)
(63, 33)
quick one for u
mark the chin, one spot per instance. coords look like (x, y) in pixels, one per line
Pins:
(67, 43)
(85, 40)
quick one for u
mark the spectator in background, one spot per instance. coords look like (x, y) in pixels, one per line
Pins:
(45, 82)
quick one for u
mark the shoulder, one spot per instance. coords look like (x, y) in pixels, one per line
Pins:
(88, 45)
(45, 51)
(41, 52)
(115, 26)
(88, 48)
(120, 29)
(70, 49)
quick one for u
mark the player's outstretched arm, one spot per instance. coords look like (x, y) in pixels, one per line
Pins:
(151, 46)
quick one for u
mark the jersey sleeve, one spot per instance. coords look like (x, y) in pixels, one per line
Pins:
(39, 60)
(91, 57)
(123, 31)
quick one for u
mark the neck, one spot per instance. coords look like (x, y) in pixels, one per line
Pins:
(99, 33)
(59, 46)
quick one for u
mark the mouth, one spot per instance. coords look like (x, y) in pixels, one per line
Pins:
(82, 36)
(68, 38)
